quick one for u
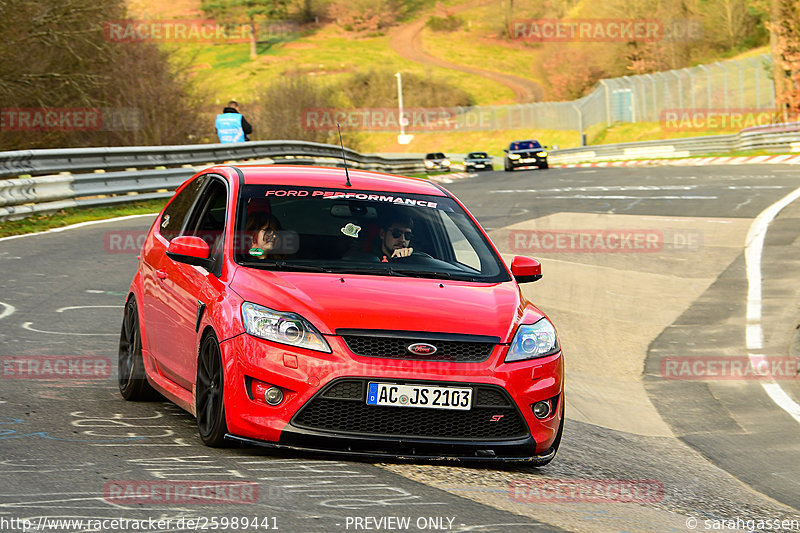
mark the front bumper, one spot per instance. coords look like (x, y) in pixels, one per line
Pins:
(527, 161)
(478, 165)
(304, 375)
(406, 449)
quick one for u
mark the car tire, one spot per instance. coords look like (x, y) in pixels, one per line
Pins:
(210, 394)
(544, 166)
(507, 167)
(131, 375)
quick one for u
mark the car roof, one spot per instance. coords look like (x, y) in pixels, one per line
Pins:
(330, 177)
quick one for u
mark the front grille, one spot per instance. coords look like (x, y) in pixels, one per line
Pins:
(397, 348)
(341, 408)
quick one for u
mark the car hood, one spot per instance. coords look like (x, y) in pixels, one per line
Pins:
(346, 301)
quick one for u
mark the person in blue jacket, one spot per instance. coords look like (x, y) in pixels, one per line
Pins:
(231, 125)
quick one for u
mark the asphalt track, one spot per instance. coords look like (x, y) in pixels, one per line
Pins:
(716, 450)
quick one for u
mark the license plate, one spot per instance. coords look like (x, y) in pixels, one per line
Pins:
(427, 396)
(529, 160)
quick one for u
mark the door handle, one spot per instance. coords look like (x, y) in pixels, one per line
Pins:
(161, 274)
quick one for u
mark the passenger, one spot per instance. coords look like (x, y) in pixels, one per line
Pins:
(264, 231)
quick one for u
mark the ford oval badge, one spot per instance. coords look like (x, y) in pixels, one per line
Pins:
(422, 348)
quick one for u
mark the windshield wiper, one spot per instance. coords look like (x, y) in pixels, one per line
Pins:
(378, 271)
(283, 265)
(433, 274)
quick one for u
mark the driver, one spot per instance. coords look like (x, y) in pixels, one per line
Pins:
(395, 237)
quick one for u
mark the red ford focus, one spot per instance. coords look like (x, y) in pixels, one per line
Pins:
(295, 307)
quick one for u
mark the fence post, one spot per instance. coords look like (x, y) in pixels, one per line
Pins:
(604, 83)
(708, 85)
(724, 84)
(692, 87)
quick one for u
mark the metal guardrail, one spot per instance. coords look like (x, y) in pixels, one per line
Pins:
(103, 176)
(773, 138)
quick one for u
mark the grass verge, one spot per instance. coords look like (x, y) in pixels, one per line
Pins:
(67, 217)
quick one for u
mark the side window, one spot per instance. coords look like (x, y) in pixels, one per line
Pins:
(175, 214)
(208, 218)
(463, 250)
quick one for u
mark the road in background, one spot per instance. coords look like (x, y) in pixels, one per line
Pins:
(67, 444)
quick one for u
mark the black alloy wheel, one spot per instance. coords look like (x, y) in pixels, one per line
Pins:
(210, 404)
(131, 377)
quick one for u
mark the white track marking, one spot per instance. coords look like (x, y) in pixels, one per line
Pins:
(7, 310)
(754, 247)
(61, 310)
(27, 325)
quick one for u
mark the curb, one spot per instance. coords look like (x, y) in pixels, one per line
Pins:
(694, 161)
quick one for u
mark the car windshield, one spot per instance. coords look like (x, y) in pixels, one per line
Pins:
(525, 145)
(327, 230)
(435, 156)
(477, 155)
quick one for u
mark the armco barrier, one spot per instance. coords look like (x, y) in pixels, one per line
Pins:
(103, 176)
(773, 138)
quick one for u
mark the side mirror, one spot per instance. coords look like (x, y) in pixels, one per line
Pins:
(526, 269)
(190, 250)
(505, 150)
(546, 147)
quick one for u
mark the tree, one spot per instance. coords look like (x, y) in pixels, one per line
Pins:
(785, 38)
(55, 58)
(251, 11)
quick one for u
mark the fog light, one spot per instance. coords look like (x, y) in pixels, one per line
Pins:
(542, 409)
(273, 396)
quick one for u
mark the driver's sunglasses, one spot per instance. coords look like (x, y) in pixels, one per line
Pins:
(397, 233)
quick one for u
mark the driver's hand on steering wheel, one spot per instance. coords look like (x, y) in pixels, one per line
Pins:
(402, 252)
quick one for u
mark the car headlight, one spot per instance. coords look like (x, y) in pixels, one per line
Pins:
(542, 154)
(446, 163)
(285, 328)
(513, 156)
(429, 164)
(532, 341)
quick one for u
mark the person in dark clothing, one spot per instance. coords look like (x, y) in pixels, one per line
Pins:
(231, 125)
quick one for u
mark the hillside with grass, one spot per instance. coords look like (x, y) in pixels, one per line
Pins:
(322, 49)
